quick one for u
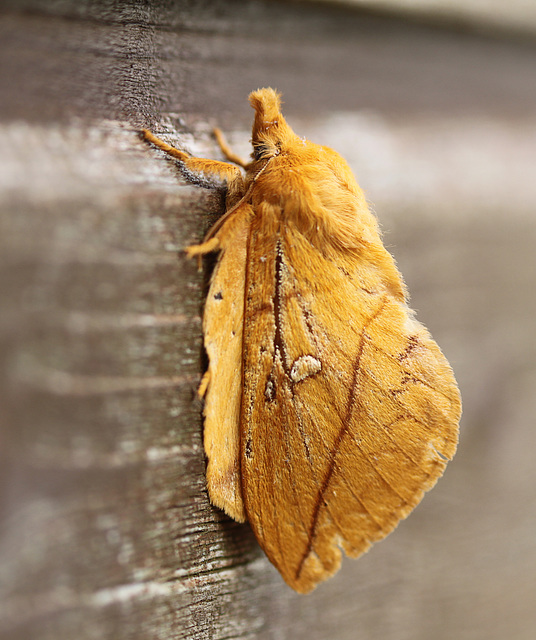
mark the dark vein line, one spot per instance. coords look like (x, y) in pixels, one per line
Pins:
(356, 498)
(244, 437)
(413, 343)
(385, 431)
(407, 414)
(408, 372)
(313, 338)
(385, 393)
(263, 308)
(280, 348)
(342, 432)
(404, 416)
(279, 342)
(314, 341)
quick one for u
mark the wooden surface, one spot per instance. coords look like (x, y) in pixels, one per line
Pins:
(106, 531)
(517, 17)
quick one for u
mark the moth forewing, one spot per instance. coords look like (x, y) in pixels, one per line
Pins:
(223, 335)
(340, 456)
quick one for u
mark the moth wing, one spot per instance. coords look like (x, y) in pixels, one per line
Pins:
(350, 410)
(222, 328)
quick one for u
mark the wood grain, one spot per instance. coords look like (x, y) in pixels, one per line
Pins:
(106, 529)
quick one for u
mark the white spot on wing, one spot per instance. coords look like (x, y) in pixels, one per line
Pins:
(304, 367)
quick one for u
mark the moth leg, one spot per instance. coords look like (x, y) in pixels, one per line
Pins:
(226, 149)
(172, 151)
(222, 170)
(199, 250)
(205, 247)
(203, 385)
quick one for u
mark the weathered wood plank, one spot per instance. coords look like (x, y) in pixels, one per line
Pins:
(137, 61)
(518, 17)
(106, 529)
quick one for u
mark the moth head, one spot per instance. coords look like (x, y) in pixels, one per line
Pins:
(271, 134)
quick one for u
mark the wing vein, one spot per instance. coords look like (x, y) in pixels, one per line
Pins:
(342, 432)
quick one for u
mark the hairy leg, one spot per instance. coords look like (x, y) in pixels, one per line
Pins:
(221, 170)
(227, 151)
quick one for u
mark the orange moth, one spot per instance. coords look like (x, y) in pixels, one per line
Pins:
(329, 410)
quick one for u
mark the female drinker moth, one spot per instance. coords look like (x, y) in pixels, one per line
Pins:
(329, 410)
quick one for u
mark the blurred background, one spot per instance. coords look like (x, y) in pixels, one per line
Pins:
(105, 526)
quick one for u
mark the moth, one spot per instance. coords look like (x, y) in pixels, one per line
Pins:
(329, 410)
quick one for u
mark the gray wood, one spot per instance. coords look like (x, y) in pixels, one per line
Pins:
(518, 17)
(106, 530)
